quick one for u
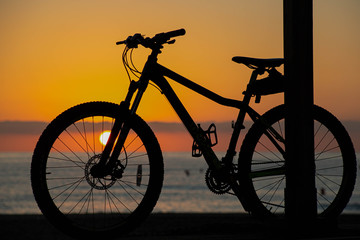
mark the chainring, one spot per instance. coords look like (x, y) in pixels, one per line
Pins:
(214, 184)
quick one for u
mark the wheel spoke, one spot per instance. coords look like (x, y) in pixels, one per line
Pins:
(62, 177)
(332, 148)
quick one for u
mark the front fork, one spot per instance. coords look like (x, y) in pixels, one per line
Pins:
(107, 163)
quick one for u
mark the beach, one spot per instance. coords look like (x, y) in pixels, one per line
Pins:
(192, 226)
(186, 209)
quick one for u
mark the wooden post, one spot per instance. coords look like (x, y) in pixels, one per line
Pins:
(300, 192)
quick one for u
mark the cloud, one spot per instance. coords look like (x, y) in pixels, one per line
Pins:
(170, 127)
(18, 127)
(22, 128)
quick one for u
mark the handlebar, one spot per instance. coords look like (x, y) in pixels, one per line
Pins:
(157, 41)
(175, 33)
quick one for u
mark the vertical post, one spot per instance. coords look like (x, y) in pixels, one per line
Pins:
(300, 192)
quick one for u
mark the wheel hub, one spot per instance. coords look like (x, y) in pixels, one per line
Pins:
(100, 183)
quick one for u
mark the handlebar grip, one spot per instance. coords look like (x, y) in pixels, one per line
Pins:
(179, 32)
(120, 42)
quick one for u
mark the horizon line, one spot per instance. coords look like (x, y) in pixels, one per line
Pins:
(37, 127)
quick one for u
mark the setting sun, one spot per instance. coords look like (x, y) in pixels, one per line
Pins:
(104, 137)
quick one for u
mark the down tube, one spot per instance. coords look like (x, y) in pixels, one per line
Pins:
(189, 123)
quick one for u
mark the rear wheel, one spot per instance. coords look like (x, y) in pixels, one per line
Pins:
(73, 199)
(262, 165)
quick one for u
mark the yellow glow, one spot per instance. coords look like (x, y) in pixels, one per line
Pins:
(57, 54)
(104, 137)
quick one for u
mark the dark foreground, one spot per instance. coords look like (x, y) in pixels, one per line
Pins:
(192, 226)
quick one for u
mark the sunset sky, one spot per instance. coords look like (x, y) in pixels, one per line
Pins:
(56, 54)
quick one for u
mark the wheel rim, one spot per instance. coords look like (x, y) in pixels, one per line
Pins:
(76, 194)
(269, 188)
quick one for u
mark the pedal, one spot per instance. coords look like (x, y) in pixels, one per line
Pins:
(139, 175)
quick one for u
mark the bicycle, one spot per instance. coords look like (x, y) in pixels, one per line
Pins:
(89, 189)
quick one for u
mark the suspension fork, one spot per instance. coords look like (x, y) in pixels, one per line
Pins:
(128, 119)
(124, 116)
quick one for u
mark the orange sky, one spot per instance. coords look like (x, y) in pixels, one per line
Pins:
(55, 54)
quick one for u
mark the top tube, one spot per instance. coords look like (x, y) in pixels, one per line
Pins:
(199, 89)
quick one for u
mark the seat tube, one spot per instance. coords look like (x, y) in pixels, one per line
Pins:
(240, 120)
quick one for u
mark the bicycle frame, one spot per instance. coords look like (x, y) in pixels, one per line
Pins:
(196, 133)
(156, 73)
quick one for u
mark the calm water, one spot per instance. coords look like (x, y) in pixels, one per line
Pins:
(184, 187)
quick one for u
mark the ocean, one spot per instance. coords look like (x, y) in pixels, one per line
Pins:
(184, 188)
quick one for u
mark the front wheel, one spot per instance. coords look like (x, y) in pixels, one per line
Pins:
(262, 165)
(75, 201)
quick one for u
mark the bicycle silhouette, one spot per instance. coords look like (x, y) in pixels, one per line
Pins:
(89, 189)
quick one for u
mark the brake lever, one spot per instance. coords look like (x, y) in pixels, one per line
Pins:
(171, 41)
(132, 41)
(120, 42)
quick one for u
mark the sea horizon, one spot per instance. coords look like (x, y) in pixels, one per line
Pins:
(184, 188)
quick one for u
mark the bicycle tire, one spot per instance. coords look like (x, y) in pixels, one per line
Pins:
(335, 162)
(83, 206)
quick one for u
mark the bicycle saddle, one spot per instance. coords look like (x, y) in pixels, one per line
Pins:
(259, 62)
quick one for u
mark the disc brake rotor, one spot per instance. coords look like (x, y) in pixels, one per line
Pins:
(97, 183)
